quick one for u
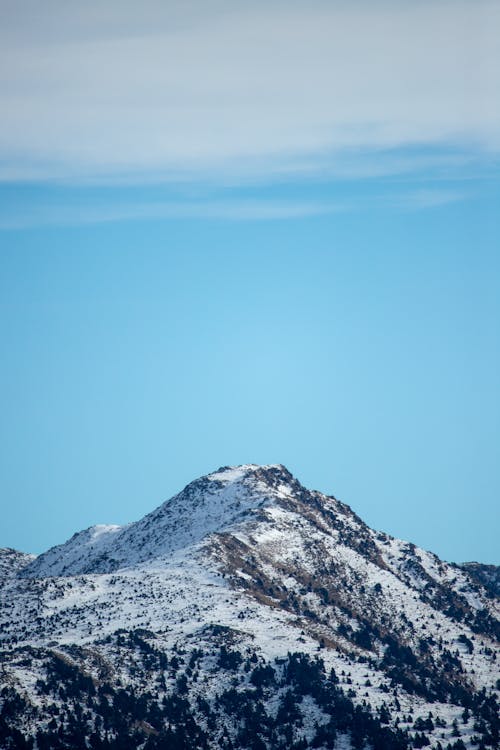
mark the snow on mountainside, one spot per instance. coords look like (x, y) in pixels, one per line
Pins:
(12, 562)
(206, 505)
(247, 612)
(487, 575)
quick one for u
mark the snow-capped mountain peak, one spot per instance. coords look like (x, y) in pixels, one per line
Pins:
(244, 579)
(209, 504)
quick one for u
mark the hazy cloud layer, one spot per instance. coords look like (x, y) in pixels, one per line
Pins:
(43, 213)
(60, 214)
(169, 90)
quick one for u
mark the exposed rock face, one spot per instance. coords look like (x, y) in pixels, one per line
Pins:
(247, 611)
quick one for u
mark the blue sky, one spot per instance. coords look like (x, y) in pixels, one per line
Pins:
(216, 250)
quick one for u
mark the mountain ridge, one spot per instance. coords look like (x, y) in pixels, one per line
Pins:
(248, 567)
(101, 548)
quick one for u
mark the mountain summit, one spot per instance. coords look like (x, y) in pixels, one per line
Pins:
(210, 504)
(247, 612)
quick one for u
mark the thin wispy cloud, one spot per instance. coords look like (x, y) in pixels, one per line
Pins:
(61, 214)
(421, 199)
(177, 91)
(80, 212)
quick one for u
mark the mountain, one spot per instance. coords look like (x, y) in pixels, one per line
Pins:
(247, 612)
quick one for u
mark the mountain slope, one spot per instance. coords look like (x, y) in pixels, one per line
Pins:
(12, 562)
(204, 506)
(242, 581)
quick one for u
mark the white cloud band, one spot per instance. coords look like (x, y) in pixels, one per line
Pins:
(178, 90)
